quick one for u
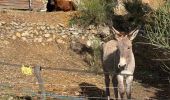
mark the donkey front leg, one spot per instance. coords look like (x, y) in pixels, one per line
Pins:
(115, 84)
(107, 83)
(121, 86)
(129, 81)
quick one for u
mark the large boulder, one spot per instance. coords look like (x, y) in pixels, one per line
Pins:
(120, 9)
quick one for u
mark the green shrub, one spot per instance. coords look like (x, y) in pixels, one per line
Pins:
(158, 34)
(158, 31)
(95, 57)
(93, 12)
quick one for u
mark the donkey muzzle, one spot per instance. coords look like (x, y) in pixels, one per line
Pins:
(122, 67)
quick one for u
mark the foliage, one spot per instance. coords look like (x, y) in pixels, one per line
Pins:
(95, 58)
(158, 33)
(92, 12)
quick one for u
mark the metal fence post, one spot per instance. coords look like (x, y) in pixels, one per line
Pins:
(37, 73)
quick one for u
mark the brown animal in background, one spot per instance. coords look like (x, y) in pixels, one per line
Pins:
(65, 5)
(119, 62)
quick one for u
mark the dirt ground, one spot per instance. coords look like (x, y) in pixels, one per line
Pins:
(64, 72)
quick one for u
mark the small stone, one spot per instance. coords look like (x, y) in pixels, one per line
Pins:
(49, 40)
(14, 23)
(91, 27)
(43, 44)
(64, 36)
(38, 39)
(14, 37)
(6, 42)
(74, 33)
(18, 34)
(23, 24)
(20, 30)
(77, 93)
(60, 41)
(45, 31)
(24, 34)
(61, 25)
(52, 27)
(83, 37)
(24, 38)
(72, 29)
(11, 98)
(89, 43)
(93, 31)
(31, 35)
(43, 27)
(54, 36)
(48, 28)
(29, 28)
(47, 35)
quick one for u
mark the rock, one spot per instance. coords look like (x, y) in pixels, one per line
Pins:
(18, 34)
(23, 24)
(39, 39)
(14, 23)
(93, 31)
(29, 28)
(48, 27)
(14, 37)
(24, 34)
(78, 47)
(6, 42)
(120, 9)
(61, 25)
(10, 98)
(41, 23)
(43, 27)
(8, 28)
(19, 29)
(83, 37)
(91, 27)
(31, 35)
(104, 30)
(60, 41)
(74, 33)
(47, 35)
(72, 29)
(24, 38)
(45, 31)
(35, 32)
(52, 27)
(54, 36)
(49, 39)
(89, 43)
(64, 36)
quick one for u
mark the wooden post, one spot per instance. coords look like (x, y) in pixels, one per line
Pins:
(30, 5)
(37, 73)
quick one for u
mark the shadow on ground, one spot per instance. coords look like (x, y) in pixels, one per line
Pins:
(92, 92)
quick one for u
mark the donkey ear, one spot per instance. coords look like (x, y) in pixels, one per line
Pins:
(133, 34)
(115, 32)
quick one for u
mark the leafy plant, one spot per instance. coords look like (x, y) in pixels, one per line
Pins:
(93, 12)
(95, 57)
(158, 34)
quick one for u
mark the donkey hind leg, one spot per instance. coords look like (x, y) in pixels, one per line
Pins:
(121, 87)
(129, 81)
(115, 86)
(107, 83)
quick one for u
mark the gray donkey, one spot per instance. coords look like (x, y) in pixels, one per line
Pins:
(118, 61)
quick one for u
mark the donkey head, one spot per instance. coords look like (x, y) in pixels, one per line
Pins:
(124, 45)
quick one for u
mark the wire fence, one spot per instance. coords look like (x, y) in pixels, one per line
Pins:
(42, 94)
